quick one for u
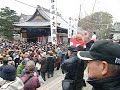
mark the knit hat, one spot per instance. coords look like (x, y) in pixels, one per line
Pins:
(9, 73)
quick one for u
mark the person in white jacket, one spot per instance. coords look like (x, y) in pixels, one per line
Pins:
(94, 37)
(9, 81)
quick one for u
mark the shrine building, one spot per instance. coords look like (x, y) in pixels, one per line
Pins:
(36, 27)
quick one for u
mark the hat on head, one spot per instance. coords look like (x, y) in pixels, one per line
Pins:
(1, 56)
(72, 48)
(7, 55)
(50, 53)
(9, 72)
(10, 59)
(43, 54)
(103, 50)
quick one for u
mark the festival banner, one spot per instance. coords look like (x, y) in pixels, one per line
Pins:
(53, 21)
(70, 28)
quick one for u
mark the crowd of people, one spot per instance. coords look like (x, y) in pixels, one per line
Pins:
(22, 63)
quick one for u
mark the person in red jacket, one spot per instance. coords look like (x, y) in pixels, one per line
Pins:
(77, 40)
(33, 82)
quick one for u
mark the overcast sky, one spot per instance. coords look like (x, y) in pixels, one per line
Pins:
(68, 8)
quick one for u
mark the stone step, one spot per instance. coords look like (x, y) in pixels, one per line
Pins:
(55, 83)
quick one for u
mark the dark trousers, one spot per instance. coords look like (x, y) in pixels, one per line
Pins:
(71, 85)
(79, 85)
(50, 73)
(38, 72)
(43, 76)
(58, 66)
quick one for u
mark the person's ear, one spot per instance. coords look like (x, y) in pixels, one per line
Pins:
(104, 68)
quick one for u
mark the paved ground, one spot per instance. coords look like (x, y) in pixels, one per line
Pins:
(55, 83)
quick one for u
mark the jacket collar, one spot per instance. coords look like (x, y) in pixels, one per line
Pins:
(109, 83)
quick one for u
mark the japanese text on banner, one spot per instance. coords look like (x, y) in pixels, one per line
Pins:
(69, 28)
(53, 22)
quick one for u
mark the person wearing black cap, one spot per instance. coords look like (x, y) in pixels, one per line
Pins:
(103, 65)
(74, 69)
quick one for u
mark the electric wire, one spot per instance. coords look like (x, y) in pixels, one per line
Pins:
(61, 15)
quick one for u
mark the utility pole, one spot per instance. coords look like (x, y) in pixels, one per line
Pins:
(79, 17)
(80, 13)
(94, 6)
(93, 11)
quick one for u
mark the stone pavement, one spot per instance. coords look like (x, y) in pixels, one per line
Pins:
(55, 83)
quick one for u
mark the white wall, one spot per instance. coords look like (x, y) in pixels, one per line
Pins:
(116, 36)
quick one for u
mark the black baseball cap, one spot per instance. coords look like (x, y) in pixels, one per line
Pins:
(72, 49)
(103, 50)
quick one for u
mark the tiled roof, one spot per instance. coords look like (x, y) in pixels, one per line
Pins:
(116, 26)
(24, 17)
(46, 14)
(33, 24)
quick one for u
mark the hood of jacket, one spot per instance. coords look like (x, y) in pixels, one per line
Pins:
(110, 83)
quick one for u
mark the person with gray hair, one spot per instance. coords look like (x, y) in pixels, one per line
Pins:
(30, 66)
(103, 61)
(33, 82)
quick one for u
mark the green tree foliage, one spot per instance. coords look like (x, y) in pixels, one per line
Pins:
(7, 17)
(101, 22)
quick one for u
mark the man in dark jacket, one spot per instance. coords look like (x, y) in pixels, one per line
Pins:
(43, 68)
(74, 68)
(50, 64)
(5, 62)
(103, 65)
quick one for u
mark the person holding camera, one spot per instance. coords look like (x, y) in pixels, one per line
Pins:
(74, 68)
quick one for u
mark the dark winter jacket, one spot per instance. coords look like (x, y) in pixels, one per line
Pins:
(75, 71)
(111, 83)
(50, 63)
(43, 63)
(74, 68)
(1, 68)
